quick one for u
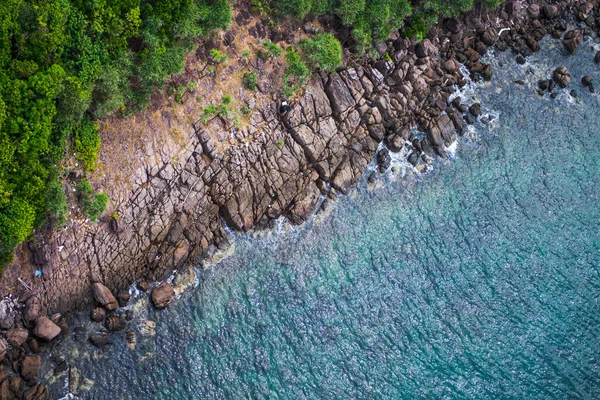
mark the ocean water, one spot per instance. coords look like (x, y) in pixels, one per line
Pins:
(477, 280)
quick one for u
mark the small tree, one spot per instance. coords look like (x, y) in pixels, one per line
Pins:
(324, 52)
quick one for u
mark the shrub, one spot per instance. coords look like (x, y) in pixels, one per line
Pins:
(218, 57)
(296, 73)
(250, 80)
(92, 204)
(324, 52)
(87, 144)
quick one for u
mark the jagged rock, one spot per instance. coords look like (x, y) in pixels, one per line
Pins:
(16, 385)
(396, 143)
(162, 295)
(550, 11)
(101, 341)
(46, 329)
(30, 366)
(475, 109)
(143, 286)
(37, 392)
(3, 348)
(384, 160)
(98, 314)
(572, 40)
(105, 297)
(17, 336)
(5, 392)
(561, 77)
(425, 49)
(3, 375)
(115, 323)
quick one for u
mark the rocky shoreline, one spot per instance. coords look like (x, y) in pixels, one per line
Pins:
(175, 214)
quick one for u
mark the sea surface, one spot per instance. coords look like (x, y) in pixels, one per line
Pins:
(478, 279)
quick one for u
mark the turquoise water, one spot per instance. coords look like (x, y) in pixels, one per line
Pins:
(477, 280)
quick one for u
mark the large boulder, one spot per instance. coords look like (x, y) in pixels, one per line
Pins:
(46, 329)
(30, 366)
(105, 297)
(561, 77)
(162, 295)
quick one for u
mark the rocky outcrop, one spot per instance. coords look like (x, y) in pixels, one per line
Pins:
(162, 295)
(30, 367)
(173, 210)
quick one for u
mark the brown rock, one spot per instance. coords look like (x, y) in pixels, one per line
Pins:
(115, 323)
(572, 40)
(17, 336)
(37, 392)
(32, 309)
(104, 296)
(46, 329)
(5, 392)
(101, 341)
(123, 298)
(98, 314)
(143, 286)
(3, 375)
(34, 345)
(16, 385)
(550, 11)
(162, 295)
(561, 77)
(30, 367)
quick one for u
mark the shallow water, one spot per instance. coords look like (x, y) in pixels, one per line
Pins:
(477, 280)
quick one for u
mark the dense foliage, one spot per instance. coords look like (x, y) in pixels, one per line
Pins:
(65, 62)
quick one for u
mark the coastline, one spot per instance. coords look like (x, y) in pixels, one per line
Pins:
(313, 159)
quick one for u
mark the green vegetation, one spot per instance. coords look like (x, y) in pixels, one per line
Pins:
(92, 204)
(218, 57)
(296, 73)
(250, 80)
(272, 50)
(324, 52)
(64, 63)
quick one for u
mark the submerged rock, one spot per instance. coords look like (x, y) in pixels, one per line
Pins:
(162, 295)
(572, 40)
(384, 160)
(101, 341)
(98, 314)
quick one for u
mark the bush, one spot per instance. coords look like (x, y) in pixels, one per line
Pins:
(324, 52)
(92, 204)
(296, 73)
(250, 80)
(87, 144)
